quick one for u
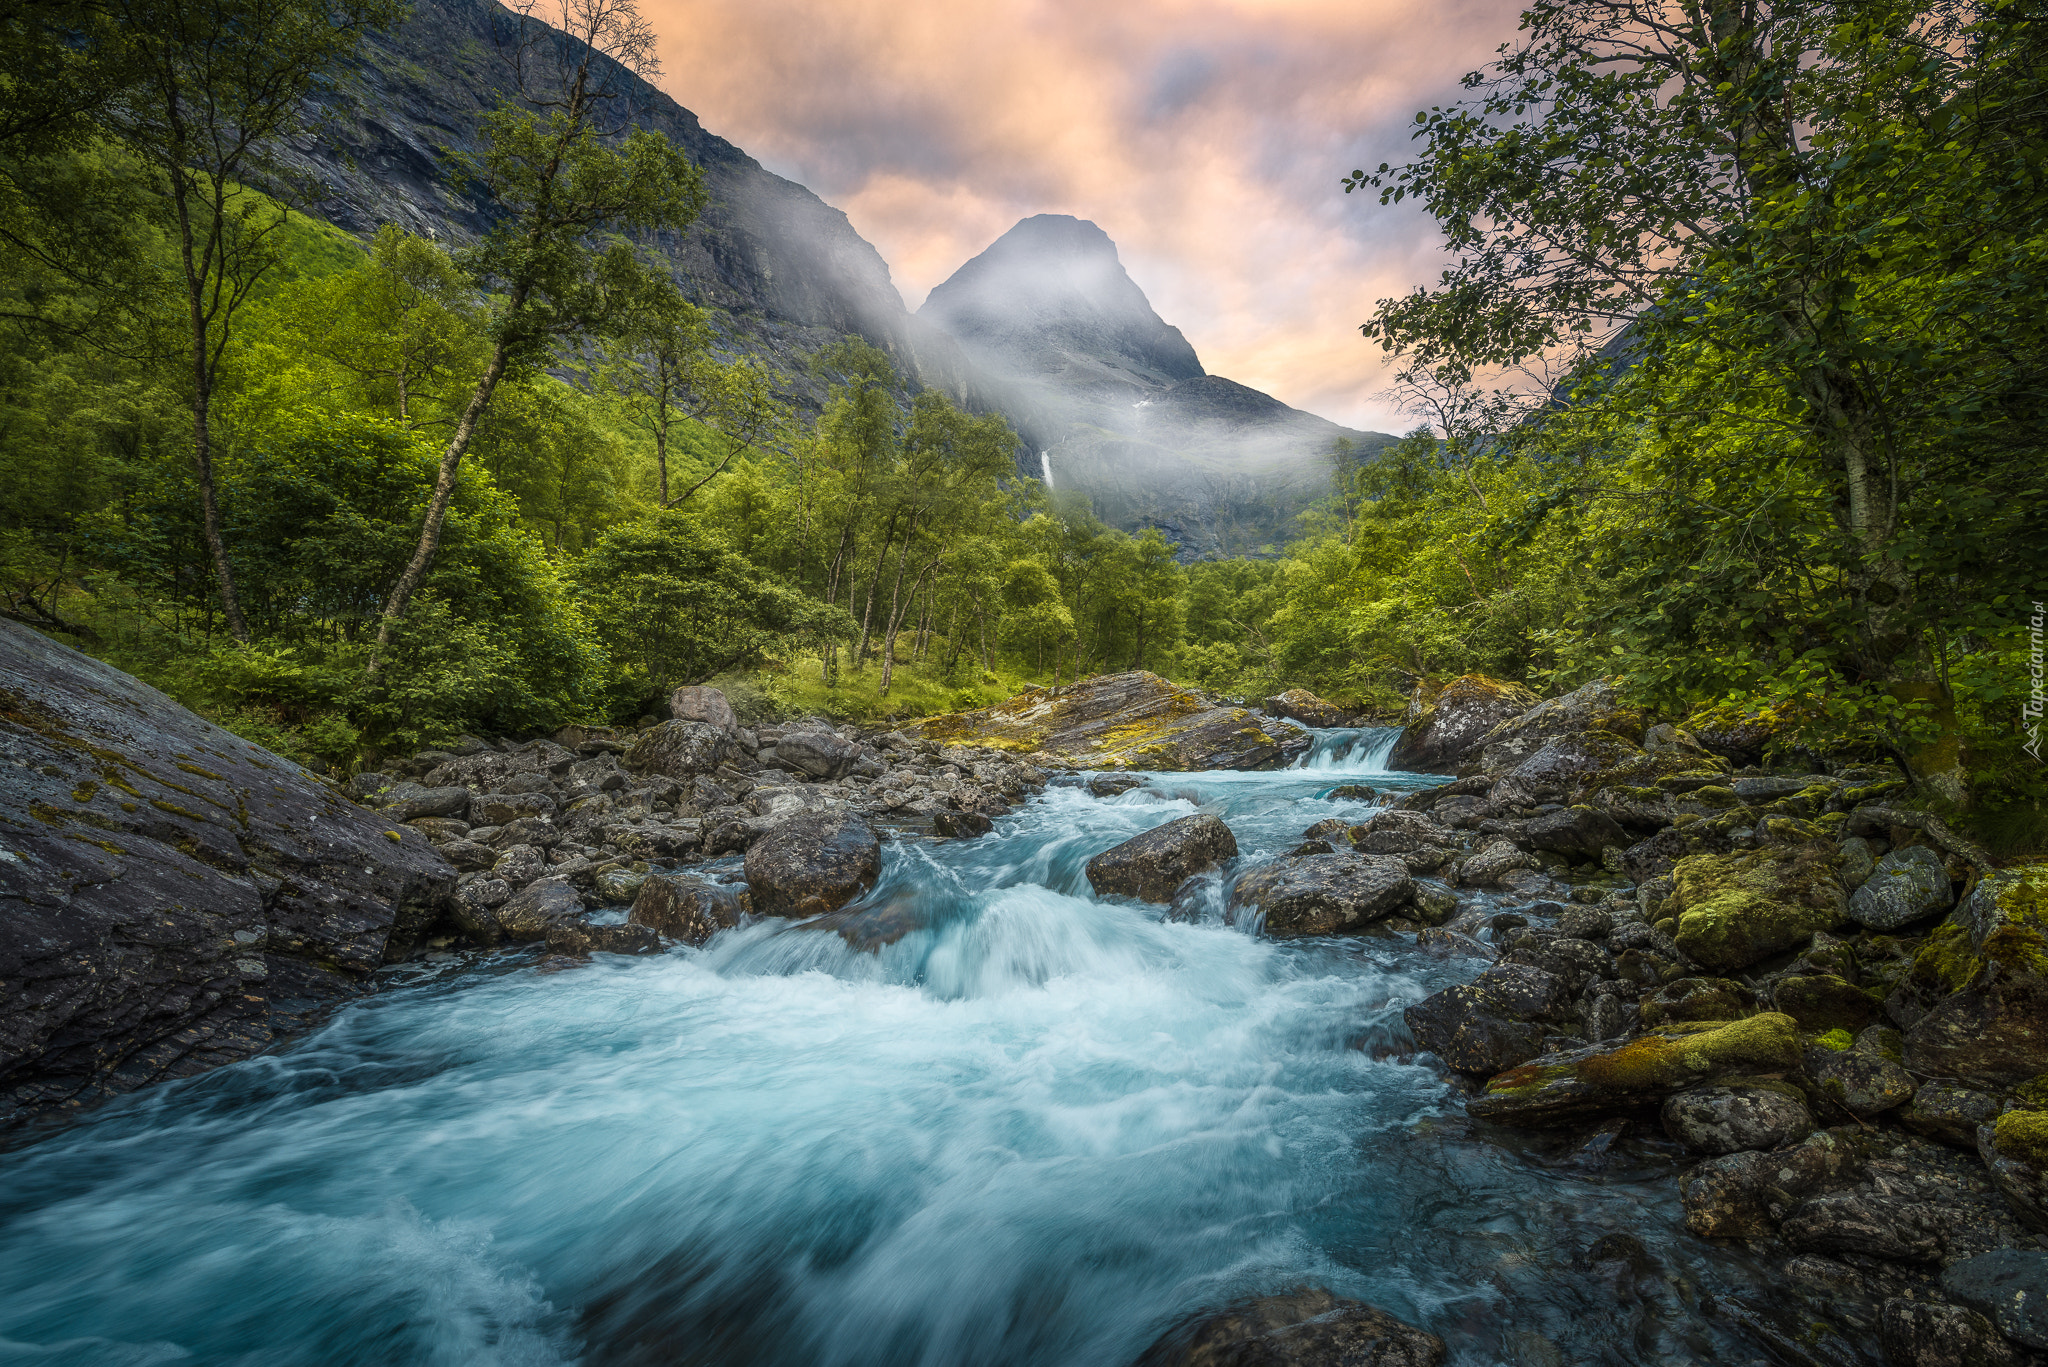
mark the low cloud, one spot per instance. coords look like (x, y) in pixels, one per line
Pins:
(1208, 138)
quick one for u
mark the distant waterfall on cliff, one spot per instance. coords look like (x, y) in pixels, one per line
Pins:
(1045, 469)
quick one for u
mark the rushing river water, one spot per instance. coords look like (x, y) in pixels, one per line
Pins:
(1036, 1129)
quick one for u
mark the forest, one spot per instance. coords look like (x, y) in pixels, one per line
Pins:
(1733, 391)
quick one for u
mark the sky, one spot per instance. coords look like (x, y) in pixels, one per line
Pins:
(1208, 138)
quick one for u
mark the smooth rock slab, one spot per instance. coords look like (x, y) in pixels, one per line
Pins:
(1150, 866)
(1904, 886)
(1324, 894)
(2010, 1286)
(813, 863)
(1306, 1328)
(136, 840)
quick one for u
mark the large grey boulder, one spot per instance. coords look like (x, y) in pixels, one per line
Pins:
(1451, 725)
(168, 890)
(1905, 886)
(688, 909)
(1150, 866)
(1307, 1327)
(680, 750)
(812, 863)
(694, 702)
(1324, 894)
(1580, 832)
(817, 753)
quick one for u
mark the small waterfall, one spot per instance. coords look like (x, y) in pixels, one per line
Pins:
(1045, 469)
(1350, 750)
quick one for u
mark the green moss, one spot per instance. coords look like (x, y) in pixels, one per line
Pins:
(2034, 1091)
(203, 773)
(1767, 1043)
(1838, 1040)
(1737, 909)
(1824, 1002)
(84, 791)
(2022, 1135)
(393, 836)
(175, 810)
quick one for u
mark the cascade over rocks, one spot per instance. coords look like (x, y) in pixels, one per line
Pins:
(168, 889)
(1151, 866)
(1123, 721)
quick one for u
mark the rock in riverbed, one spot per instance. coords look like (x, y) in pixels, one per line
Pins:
(1325, 894)
(813, 863)
(1306, 1328)
(1150, 866)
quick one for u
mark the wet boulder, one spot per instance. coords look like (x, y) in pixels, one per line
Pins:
(1735, 910)
(1735, 1196)
(1492, 1023)
(812, 863)
(1494, 861)
(1738, 1115)
(680, 750)
(1821, 1002)
(1324, 894)
(1862, 1082)
(1901, 888)
(1308, 1327)
(1871, 1225)
(527, 914)
(1439, 738)
(1398, 832)
(2009, 1286)
(1150, 866)
(1930, 1334)
(962, 825)
(579, 940)
(1562, 1088)
(688, 909)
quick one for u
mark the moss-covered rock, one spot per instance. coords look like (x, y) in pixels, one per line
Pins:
(1979, 986)
(1821, 1002)
(2014, 1148)
(1560, 1088)
(1123, 721)
(1462, 712)
(1735, 910)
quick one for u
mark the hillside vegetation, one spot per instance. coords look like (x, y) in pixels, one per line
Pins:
(350, 496)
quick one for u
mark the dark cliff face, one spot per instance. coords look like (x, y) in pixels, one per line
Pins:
(1118, 402)
(171, 896)
(787, 270)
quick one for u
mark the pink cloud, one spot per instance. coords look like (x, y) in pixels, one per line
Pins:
(1207, 137)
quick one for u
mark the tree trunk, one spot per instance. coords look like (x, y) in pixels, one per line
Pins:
(202, 429)
(437, 506)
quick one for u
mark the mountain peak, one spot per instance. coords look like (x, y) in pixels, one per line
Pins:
(1052, 292)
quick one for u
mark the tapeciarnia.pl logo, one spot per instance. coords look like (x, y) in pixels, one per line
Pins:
(2030, 713)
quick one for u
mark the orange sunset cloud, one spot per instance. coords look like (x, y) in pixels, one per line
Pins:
(1207, 137)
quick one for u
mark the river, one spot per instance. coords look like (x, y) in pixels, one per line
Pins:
(1037, 1128)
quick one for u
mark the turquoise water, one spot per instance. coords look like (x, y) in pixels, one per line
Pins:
(1031, 1128)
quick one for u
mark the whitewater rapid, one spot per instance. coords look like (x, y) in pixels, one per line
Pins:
(1032, 1127)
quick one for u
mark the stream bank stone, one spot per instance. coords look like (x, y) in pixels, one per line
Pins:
(172, 897)
(1305, 1328)
(1904, 886)
(1324, 894)
(2009, 1286)
(1150, 866)
(1492, 1023)
(813, 863)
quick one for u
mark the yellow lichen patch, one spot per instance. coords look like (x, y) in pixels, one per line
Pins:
(2022, 1135)
(393, 836)
(175, 810)
(203, 773)
(84, 791)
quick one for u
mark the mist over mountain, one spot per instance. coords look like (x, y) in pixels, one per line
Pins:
(1045, 326)
(1117, 403)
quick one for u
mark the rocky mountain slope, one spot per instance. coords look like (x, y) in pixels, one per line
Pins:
(1117, 403)
(1045, 326)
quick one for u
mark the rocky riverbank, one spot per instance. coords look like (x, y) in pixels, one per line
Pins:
(1838, 1006)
